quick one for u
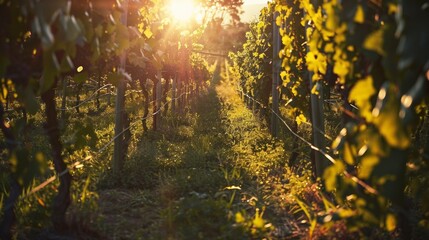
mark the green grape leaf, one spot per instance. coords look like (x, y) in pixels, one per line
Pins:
(73, 29)
(66, 64)
(317, 62)
(359, 15)
(29, 99)
(50, 71)
(387, 118)
(366, 166)
(375, 42)
(391, 222)
(349, 153)
(391, 127)
(361, 94)
(300, 119)
(278, 21)
(148, 33)
(331, 173)
(342, 68)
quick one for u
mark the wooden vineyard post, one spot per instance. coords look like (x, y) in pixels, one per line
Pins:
(180, 80)
(318, 123)
(99, 84)
(174, 93)
(253, 107)
(157, 117)
(185, 90)
(154, 103)
(179, 86)
(109, 95)
(65, 82)
(276, 76)
(118, 154)
(198, 79)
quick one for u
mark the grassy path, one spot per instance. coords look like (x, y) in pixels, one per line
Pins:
(212, 173)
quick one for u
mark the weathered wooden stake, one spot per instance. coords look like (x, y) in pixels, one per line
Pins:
(118, 154)
(318, 122)
(276, 76)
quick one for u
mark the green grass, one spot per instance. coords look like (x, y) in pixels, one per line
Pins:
(211, 172)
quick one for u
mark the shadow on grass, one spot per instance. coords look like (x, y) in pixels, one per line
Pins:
(177, 163)
(195, 177)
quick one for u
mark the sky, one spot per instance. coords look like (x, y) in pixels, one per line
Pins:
(249, 2)
(251, 9)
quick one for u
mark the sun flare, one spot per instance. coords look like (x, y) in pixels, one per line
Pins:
(183, 10)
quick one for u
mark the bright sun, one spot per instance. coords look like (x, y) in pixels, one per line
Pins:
(182, 10)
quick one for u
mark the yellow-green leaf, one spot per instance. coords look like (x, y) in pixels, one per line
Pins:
(375, 42)
(148, 33)
(349, 154)
(331, 173)
(316, 62)
(359, 15)
(300, 119)
(367, 166)
(261, 24)
(239, 218)
(4, 93)
(361, 94)
(283, 75)
(390, 125)
(279, 21)
(390, 222)
(329, 48)
(392, 8)
(342, 68)
(286, 40)
(258, 221)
